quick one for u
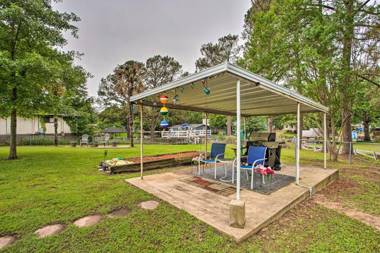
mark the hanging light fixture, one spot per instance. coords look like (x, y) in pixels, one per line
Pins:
(164, 123)
(205, 89)
(163, 100)
(164, 111)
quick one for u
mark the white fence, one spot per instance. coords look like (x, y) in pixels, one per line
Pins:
(190, 134)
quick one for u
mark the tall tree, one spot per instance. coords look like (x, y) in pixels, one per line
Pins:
(31, 33)
(69, 82)
(112, 116)
(118, 88)
(225, 49)
(317, 48)
(159, 70)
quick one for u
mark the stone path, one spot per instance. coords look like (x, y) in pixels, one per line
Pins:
(88, 221)
(371, 220)
(49, 230)
(6, 241)
(149, 205)
(121, 212)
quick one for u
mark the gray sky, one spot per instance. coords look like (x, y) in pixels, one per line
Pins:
(114, 31)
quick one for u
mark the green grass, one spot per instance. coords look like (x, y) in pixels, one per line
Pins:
(367, 146)
(49, 185)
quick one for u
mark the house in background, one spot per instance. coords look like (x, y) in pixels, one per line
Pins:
(35, 125)
(312, 133)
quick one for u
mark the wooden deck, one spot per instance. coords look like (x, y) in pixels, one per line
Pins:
(213, 208)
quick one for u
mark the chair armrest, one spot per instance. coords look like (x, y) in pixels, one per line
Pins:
(258, 160)
(217, 157)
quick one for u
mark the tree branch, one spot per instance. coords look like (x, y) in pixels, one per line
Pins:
(323, 6)
(362, 5)
(368, 80)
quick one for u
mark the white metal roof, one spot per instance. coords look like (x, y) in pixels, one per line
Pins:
(259, 96)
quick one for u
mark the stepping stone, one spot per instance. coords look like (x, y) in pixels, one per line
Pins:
(49, 230)
(121, 212)
(6, 241)
(88, 221)
(149, 205)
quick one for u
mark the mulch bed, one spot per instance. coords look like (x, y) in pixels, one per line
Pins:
(164, 157)
(154, 162)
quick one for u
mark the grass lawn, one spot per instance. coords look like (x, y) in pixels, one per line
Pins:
(58, 185)
(367, 146)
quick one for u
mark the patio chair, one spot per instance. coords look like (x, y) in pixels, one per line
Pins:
(84, 140)
(217, 153)
(256, 157)
(106, 139)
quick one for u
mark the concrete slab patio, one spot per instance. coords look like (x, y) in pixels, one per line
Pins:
(213, 208)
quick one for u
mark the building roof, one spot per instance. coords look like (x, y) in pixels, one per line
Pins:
(114, 130)
(259, 96)
(188, 125)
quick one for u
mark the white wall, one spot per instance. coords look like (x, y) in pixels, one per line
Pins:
(31, 126)
(62, 127)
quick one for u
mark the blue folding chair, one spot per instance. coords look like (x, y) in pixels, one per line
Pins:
(217, 153)
(256, 156)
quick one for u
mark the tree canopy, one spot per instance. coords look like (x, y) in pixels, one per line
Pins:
(31, 56)
(322, 49)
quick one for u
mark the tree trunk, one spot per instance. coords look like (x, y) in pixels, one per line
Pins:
(229, 125)
(270, 124)
(152, 128)
(13, 137)
(333, 150)
(13, 140)
(366, 121)
(130, 124)
(346, 86)
(55, 131)
(346, 129)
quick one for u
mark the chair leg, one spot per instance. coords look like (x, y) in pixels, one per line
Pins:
(246, 174)
(233, 174)
(215, 171)
(252, 179)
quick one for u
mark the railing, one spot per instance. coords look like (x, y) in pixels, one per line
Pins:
(185, 134)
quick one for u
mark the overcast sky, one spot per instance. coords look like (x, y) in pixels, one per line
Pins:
(114, 31)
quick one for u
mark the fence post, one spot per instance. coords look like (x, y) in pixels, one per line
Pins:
(350, 154)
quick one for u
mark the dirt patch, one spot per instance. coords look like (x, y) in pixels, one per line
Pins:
(372, 174)
(118, 213)
(371, 220)
(340, 186)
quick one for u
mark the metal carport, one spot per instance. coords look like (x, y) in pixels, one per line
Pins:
(233, 91)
